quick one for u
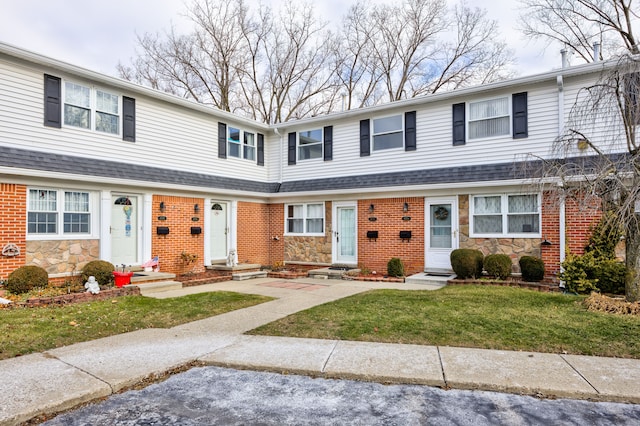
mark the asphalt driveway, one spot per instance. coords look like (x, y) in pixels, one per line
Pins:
(220, 396)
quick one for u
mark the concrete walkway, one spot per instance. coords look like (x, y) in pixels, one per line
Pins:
(62, 378)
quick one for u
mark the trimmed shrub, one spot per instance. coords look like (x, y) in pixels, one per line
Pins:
(532, 268)
(498, 265)
(101, 269)
(467, 263)
(395, 268)
(587, 273)
(25, 278)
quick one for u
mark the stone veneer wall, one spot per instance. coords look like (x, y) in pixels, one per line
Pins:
(514, 247)
(62, 256)
(311, 249)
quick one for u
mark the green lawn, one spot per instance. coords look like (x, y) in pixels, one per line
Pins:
(27, 330)
(469, 316)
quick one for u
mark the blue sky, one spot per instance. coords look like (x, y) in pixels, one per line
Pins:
(97, 35)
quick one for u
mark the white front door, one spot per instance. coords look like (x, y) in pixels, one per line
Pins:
(344, 238)
(219, 231)
(441, 222)
(125, 238)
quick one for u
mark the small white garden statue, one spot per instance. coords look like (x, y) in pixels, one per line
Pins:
(92, 285)
(231, 258)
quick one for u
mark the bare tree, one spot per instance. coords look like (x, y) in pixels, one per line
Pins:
(598, 156)
(275, 66)
(417, 47)
(577, 24)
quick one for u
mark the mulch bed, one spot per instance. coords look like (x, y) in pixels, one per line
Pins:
(65, 299)
(613, 305)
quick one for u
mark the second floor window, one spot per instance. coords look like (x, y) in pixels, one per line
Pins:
(91, 109)
(388, 133)
(489, 118)
(241, 144)
(310, 144)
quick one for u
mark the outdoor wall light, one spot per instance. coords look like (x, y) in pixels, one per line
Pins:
(162, 206)
(371, 208)
(196, 208)
(405, 207)
(546, 242)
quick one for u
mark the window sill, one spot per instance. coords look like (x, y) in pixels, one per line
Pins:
(56, 237)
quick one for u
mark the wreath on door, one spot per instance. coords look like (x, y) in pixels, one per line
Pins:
(441, 213)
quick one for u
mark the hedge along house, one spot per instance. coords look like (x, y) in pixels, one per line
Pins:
(94, 167)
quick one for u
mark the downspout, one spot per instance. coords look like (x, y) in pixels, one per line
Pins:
(562, 212)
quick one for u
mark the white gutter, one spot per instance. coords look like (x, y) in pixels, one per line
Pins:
(561, 125)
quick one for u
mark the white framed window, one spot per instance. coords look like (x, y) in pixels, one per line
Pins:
(388, 132)
(241, 144)
(490, 118)
(59, 213)
(505, 215)
(304, 219)
(92, 109)
(310, 144)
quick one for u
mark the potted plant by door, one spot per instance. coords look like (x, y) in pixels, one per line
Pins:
(123, 277)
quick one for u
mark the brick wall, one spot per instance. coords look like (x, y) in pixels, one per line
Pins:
(13, 225)
(374, 254)
(581, 215)
(550, 254)
(254, 233)
(179, 212)
(276, 229)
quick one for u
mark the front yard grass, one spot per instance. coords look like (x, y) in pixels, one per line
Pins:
(468, 316)
(28, 330)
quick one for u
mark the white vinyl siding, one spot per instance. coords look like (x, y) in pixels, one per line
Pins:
(505, 215)
(304, 219)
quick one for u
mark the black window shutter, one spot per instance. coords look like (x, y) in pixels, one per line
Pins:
(365, 138)
(520, 125)
(128, 119)
(222, 140)
(52, 101)
(458, 124)
(410, 131)
(260, 149)
(328, 143)
(292, 148)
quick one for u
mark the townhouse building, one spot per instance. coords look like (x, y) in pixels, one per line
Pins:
(95, 167)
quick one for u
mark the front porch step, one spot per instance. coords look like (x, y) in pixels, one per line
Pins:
(158, 286)
(329, 273)
(434, 280)
(241, 276)
(141, 277)
(238, 267)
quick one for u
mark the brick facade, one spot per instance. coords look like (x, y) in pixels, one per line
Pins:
(179, 213)
(374, 254)
(13, 225)
(254, 233)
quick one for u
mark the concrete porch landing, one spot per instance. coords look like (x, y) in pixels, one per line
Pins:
(434, 280)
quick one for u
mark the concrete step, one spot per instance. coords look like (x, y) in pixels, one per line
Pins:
(141, 277)
(428, 279)
(329, 273)
(240, 276)
(158, 286)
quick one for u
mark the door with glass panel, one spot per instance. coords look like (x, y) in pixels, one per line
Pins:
(219, 231)
(441, 222)
(124, 230)
(344, 233)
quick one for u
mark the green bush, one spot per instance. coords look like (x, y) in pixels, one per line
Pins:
(101, 270)
(498, 265)
(25, 278)
(467, 263)
(395, 268)
(587, 273)
(532, 268)
(611, 276)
